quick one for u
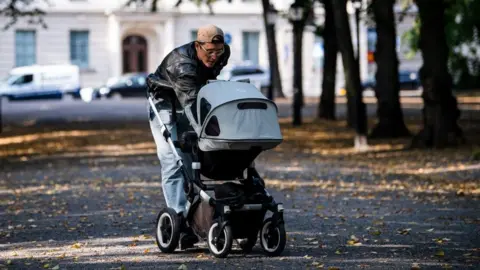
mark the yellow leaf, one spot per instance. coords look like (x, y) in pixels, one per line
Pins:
(146, 250)
(46, 266)
(440, 253)
(9, 262)
(415, 266)
(307, 257)
(333, 268)
(77, 245)
(338, 252)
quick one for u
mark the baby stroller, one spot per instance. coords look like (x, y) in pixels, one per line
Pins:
(232, 124)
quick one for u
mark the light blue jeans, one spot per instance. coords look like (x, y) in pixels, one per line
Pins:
(172, 177)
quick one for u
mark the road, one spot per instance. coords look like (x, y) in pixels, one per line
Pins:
(86, 204)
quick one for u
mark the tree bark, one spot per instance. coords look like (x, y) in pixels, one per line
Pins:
(440, 112)
(297, 73)
(276, 81)
(326, 106)
(389, 112)
(352, 74)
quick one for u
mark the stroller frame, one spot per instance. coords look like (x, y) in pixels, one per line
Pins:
(272, 232)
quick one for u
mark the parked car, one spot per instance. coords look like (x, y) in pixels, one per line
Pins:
(410, 84)
(125, 86)
(257, 75)
(41, 82)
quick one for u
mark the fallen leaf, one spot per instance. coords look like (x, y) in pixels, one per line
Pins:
(76, 245)
(182, 267)
(404, 231)
(430, 230)
(46, 266)
(307, 257)
(440, 253)
(415, 266)
(56, 267)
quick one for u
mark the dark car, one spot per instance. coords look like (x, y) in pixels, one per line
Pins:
(125, 86)
(408, 80)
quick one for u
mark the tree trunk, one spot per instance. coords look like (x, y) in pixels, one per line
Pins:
(389, 112)
(297, 73)
(440, 112)
(276, 81)
(352, 74)
(326, 107)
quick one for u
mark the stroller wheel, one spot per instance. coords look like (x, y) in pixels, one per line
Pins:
(167, 230)
(273, 238)
(220, 247)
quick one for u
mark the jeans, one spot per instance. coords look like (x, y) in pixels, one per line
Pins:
(172, 177)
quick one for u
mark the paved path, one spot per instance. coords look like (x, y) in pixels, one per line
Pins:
(80, 211)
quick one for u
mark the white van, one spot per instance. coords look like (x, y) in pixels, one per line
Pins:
(41, 82)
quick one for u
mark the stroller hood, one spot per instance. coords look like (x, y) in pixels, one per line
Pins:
(235, 116)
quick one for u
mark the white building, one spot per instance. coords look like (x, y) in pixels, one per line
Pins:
(106, 39)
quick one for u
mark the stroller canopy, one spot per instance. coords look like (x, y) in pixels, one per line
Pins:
(235, 115)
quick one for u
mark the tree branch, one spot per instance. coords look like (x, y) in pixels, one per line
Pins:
(18, 9)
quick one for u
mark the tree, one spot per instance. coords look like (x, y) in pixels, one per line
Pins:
(326, 106)
(301, 12)
(440, 112)
(351, 68)
(276, 80)
(462, 26)
(389, 112)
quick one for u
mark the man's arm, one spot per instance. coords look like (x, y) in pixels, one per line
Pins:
(223, 61)
(183, 78)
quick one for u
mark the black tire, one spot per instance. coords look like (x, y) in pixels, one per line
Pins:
(226, 239)
(272, 238)
(247, 244)
(167, 231)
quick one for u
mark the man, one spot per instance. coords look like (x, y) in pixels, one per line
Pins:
(187, 68)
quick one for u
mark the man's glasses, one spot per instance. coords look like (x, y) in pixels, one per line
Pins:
(211, 53)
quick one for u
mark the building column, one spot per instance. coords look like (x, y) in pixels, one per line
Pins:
(168, 38)
(114, 46)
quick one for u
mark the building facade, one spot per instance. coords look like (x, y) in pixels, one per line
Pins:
(106, 39)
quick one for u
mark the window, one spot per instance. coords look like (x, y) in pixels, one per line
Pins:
(25, 48)
(246, 71)
(193, 35)
(250, 46)
(79, 48)
(28, 78)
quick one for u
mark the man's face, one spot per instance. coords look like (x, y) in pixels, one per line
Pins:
(209, 53)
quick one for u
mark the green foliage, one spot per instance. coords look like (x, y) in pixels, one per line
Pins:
(462, 29)
(412, 37)
(476, 154)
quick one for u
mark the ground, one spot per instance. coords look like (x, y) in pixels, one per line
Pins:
(84, 192)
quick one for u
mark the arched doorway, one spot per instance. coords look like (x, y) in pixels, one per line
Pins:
(134, 50)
